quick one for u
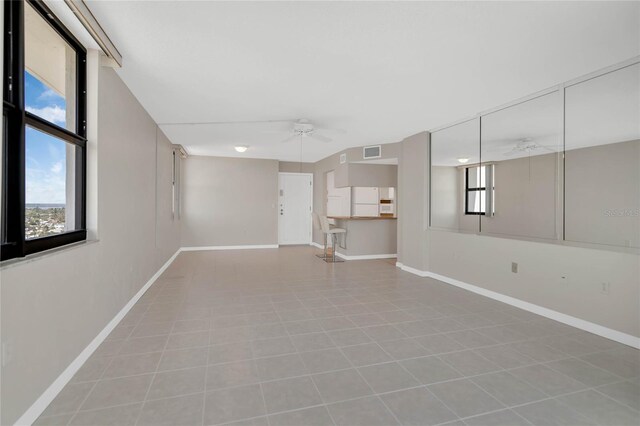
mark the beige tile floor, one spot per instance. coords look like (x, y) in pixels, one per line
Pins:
(279, 337)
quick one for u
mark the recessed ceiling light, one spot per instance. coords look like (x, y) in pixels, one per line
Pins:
(241, 148)
(463, 160)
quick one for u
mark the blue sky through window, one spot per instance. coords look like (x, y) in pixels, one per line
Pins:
(45, 154)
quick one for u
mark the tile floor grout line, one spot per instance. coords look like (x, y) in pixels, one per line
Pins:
(369, 384)
(348, 399)
(365, 365)
(264, 404)
(425, 386)
(86, 397)
(324, 403)
(613, 399)
(153, 379)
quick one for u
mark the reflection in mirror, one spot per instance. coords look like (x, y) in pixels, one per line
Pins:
(453, 151)
(602, 159)
(521, 150)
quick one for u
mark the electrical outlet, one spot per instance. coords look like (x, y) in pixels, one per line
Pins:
(514, 267)
(605, 287)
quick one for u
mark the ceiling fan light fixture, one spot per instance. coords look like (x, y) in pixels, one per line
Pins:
(241, 148)
(463, 160)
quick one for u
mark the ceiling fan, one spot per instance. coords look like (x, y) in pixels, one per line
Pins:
(526, 146)
(303, 128)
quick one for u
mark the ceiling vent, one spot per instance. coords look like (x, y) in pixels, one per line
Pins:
(371, 152)
(343, 158)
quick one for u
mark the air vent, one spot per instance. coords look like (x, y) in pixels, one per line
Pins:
(371, 152)
(343, 158)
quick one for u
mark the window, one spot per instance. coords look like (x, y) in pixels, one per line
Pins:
(44, 137)
(475, 190)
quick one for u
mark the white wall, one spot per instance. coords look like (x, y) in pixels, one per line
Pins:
(229, 201)
(55, 304)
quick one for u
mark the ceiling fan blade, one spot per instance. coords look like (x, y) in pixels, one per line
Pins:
(275, 132)
(319, 137)
(327, 130)
(227, 122)
(290, 138)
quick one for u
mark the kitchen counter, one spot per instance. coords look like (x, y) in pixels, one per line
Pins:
(367, 237)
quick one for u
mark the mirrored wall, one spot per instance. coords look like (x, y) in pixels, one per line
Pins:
(453, 151)
(602, 159)
(564, 165)
(522, 146)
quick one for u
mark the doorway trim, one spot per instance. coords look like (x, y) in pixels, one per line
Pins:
(311, 212)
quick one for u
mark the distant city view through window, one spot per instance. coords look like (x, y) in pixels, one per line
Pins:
(46, 163)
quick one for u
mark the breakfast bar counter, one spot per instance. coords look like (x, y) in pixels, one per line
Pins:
(367, 236)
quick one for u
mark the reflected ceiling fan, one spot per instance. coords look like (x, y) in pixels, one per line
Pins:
(527, 146)
(303, 128)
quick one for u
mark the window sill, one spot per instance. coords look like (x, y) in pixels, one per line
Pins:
(10, 263)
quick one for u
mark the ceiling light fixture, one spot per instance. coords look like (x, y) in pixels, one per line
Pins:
(241, 148)
(463, 160)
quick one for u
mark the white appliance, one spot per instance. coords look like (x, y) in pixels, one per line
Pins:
(386, 208)
(365, 201)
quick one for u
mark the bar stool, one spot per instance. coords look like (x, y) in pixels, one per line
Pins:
(326, 229)
(317, 225)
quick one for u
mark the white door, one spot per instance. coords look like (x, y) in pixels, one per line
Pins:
(295, 206)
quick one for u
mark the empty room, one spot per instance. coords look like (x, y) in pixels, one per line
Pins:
(320, 213)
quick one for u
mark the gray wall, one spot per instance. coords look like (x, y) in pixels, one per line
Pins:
(54, 305)
(295, 167)
(413, 201)
(367, 175)
(526, 198)
(445, 197)
(229, 201)
(368, 237)
(613, 173)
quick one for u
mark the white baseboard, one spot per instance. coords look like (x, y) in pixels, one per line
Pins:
(38, 407)
(247, 247)
(591, 327)
(358, 257)
(366, 256)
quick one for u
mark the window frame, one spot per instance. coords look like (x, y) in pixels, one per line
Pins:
(16, 119)
(467, 190)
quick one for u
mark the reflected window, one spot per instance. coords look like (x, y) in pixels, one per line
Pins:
(452, 150)
(521, 146)
(475, 190)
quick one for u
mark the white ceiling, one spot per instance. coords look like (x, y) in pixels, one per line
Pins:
(381, 71)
